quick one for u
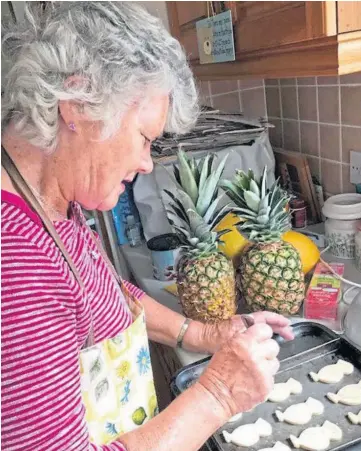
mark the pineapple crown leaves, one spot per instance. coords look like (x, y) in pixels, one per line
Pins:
(194, 208)
(263, 211)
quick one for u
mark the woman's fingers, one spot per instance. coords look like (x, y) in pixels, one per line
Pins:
(284, 332)
(260, 332)
(279, 323)
(269, 349)
(270, 366)
(271, 318)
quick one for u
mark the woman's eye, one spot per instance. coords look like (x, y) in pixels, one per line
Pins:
(146, 141)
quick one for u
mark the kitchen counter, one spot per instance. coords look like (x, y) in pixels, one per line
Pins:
(138, 259)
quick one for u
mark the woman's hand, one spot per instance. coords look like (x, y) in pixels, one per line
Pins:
(213, 335)
(241, 373)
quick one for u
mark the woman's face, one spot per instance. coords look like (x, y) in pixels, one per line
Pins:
(109, 163)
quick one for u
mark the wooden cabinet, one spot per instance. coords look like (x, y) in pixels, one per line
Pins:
(349, 16)
(276, 39)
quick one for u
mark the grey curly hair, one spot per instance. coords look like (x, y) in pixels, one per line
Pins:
(118, 50)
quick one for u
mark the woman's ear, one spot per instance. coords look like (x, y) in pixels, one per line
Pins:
(72, 112)
(70, 115)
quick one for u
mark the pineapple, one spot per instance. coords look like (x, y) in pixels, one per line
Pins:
(205, 276)
(269, 272)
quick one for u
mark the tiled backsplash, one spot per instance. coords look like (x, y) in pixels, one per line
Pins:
(235, 96)
(318, 116)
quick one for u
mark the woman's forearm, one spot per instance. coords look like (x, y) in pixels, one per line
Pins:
(185, 424)
(164, 325)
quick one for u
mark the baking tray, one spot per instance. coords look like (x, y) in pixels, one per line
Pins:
(314, 346)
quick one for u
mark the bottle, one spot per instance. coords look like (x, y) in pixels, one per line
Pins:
(133, 232)
(299, 215)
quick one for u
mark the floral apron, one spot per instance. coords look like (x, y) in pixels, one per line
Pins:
(117, 380)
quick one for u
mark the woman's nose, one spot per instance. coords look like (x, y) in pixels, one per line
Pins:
(146, 166)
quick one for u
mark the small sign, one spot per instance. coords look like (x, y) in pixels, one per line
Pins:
(215, 39)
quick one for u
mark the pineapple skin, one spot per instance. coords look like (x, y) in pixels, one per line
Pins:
(270, 277)
(206, 287)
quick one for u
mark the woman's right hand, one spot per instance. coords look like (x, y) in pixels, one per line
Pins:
(240, 374)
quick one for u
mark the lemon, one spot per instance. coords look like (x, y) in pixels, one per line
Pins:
(307, 249)
(234, 243)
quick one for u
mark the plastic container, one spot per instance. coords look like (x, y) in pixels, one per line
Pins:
(164, 252)
(343, 213)
(133, 232)
(358, 248)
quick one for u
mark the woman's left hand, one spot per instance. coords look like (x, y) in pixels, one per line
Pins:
(213, 335)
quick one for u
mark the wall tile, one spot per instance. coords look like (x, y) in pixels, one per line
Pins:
(351, 140)
(351, 105)
(273, 102)
(223, 86)
(328, 104)
(289, 102)
(309, 138)
(351, 78)
(307, 103)
(291, 135)
(347, 186)
(271, 82)
(227, 102)
(253, 103)
(330, 142)
(251, 83)
(287, 81)
(306, 81)
(328, 80)
(207, 101)
(314, 164)
(275, 134)
(331, 176)
(203, 87)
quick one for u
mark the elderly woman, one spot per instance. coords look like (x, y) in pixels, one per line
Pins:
(91, 85)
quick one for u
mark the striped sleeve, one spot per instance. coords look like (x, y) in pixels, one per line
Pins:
(135, 291)
(41, 407)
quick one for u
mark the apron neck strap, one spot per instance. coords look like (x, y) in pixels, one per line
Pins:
(23, 188)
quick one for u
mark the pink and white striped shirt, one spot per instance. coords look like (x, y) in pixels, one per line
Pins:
(45, 322)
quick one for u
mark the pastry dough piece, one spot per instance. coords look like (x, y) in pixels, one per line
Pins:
(283, 390)
(235, 418)
(349, 395)
(301, 413)
(248, 434)
(317, 438)
(278, 446)
(331, 374)
(354, 418)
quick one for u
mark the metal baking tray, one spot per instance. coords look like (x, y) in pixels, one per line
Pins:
(314, 346)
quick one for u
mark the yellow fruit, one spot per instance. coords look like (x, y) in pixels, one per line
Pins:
(233, 242)
(307, 249)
